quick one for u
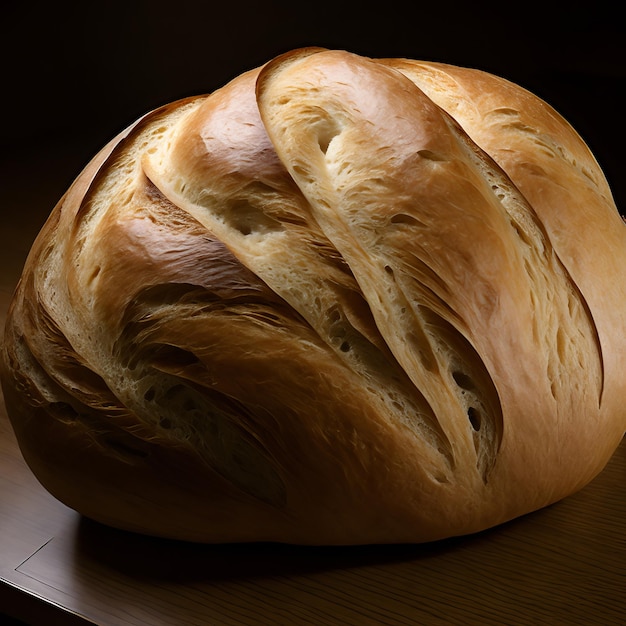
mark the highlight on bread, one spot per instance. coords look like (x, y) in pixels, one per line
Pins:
(340, 300)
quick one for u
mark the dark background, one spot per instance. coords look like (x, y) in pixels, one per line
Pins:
(74, 75)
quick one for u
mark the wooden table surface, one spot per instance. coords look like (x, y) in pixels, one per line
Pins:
(563, 565)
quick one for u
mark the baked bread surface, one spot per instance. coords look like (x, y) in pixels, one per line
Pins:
(340, 300)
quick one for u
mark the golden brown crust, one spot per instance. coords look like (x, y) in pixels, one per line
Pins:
(557, 173)
(340, 300)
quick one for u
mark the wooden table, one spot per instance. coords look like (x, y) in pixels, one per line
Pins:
(563, 565)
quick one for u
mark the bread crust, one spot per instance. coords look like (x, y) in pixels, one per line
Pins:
(341, 300)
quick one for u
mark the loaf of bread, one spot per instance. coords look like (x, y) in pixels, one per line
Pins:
(340, 300)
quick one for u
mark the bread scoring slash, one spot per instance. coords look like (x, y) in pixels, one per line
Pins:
(340, 300)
